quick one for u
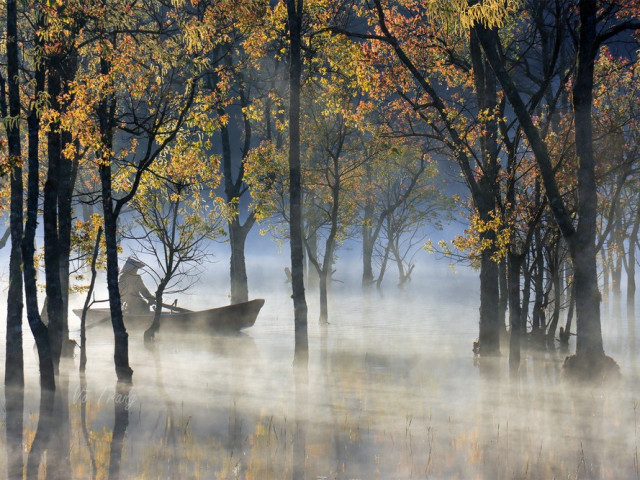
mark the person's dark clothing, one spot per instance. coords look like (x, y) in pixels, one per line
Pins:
(134, 294)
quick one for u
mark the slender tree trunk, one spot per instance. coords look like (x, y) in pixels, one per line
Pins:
(237, 231)
(395, 250)
(537, 327)
(294, 12)
(50, 219)
(616, 274)
(106, 112)
(606, 271)
(504, 293)
(149, 334)
(566, 332)
(121, 347)
(68, 171)
(38, 329)
(311, 273)
(368, 243)
(87, 302)
(385, 257)
(526, 295)
(324, 309)
(239, 283)
(489, 298)
(556, 279)
(68, 176)
(14, 364)
(514, 264)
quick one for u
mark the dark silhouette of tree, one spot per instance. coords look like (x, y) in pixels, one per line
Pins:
(294, 16)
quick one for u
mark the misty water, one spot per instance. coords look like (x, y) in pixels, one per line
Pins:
(392, 391)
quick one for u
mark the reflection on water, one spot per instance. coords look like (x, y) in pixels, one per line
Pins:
(392, 391)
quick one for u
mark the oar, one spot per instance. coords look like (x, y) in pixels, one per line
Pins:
(175, 308)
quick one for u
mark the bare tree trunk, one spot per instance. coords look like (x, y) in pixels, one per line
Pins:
(121, 347)
(565, 332)
(526, 294)
(324, 309)
(489, 297)
(514, 263)
(106, 112)
(606, 273)
(368, 243)
(87, 302)
(239, 282)
(68, 173)
(237, 231)
(385, 257)
(150, 332)
(537, 326)
(556, 279)
(504, 293)
(616, 272)
(311, 252)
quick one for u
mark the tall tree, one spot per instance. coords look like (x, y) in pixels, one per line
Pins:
(417, 67)
(14, 364)
(130, 111)
(295, 16)
(581, 237)
(39, 330)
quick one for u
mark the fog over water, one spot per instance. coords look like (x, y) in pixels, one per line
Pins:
(392, 391)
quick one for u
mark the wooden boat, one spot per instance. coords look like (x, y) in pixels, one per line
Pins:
(230, 318)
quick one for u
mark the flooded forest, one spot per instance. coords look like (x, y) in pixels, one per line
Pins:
(310, 239)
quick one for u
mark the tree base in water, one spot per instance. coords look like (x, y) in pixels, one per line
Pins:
(599, 368)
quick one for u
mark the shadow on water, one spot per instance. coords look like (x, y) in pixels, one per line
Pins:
(51, 443)
(14, 408)
(121, 401)
(301, 379)
(58, 458)
(40, 442)
(82, 397)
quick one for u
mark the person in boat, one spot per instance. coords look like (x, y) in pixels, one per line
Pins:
(135, 296)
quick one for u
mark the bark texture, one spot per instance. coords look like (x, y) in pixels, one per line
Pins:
(294, 15)
(14, 365)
